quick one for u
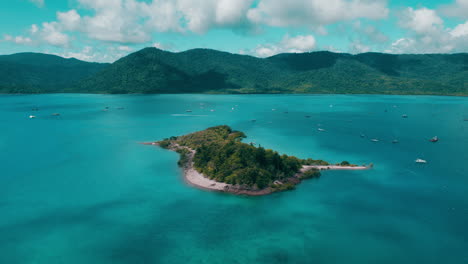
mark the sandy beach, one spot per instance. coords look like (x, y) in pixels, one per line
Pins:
(333, 167)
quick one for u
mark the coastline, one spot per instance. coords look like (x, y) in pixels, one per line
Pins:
(196, 179)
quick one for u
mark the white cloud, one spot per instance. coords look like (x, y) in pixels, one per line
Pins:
(457, 9)
(124, 48)
(427, 34)
(195, 16)
(88, 53)
(164, 46)
(114, 21)
(18, 39)
(51, 34)
(421, 21)
(69, 20)
(34, 29)
(39, 3)
(298, 44)
(315, 12)
(460, 30)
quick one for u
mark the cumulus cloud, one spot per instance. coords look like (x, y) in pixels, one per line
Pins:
(457, 9)
(70, 20)
(421, 21)
(51, 34)
(134, 21)
(196, 16)
(297, 44)
(427, 34)
(18, 39)
(48, 33)
(88, 53)
(315, 12)
(460, 30)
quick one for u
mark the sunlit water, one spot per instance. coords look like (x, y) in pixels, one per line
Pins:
(78, 188)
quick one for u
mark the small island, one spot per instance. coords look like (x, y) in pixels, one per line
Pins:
(216, 159)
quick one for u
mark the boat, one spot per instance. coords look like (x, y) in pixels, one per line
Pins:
(212, 110)
(307, 116)
(253, 120)
(120, 108)
(56, 114)
(188, 111)
(395, 141)
(420, 161)
(374, 140)
(321, 129)
(362, 135)
(35, 109)
(405, 116)
(32, 116)
(434, 139)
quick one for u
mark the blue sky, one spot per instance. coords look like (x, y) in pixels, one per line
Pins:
(105, 30)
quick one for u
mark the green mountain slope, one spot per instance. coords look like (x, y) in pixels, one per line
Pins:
(36, 72)
(151, 70)
(207, 71)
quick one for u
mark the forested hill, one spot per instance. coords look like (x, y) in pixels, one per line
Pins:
(42, 73)
(209, 71)
(200, 70)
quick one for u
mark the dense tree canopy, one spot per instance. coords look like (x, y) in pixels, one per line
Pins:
(151, 70)
(222, 156)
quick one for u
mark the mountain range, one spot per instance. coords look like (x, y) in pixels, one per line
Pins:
(152, 70)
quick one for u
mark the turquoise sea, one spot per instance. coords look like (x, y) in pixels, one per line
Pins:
(78, 188)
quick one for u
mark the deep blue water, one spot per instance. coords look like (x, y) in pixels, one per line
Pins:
(80, 189)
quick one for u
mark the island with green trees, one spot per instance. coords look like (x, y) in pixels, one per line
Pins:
(217, 159)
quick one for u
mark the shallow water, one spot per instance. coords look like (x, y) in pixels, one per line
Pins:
(78, 188)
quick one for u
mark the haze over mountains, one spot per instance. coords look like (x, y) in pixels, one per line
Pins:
(209, 71)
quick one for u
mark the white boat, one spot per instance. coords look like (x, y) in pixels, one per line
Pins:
(32, 116)
(420, 161)
(395, 141)
(374, 140)
(405, 116)
(321, 129)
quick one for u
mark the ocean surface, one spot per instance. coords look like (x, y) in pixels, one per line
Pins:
(79, 188)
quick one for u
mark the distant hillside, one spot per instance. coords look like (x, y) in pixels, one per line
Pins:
(208, 71)
(36, 72)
